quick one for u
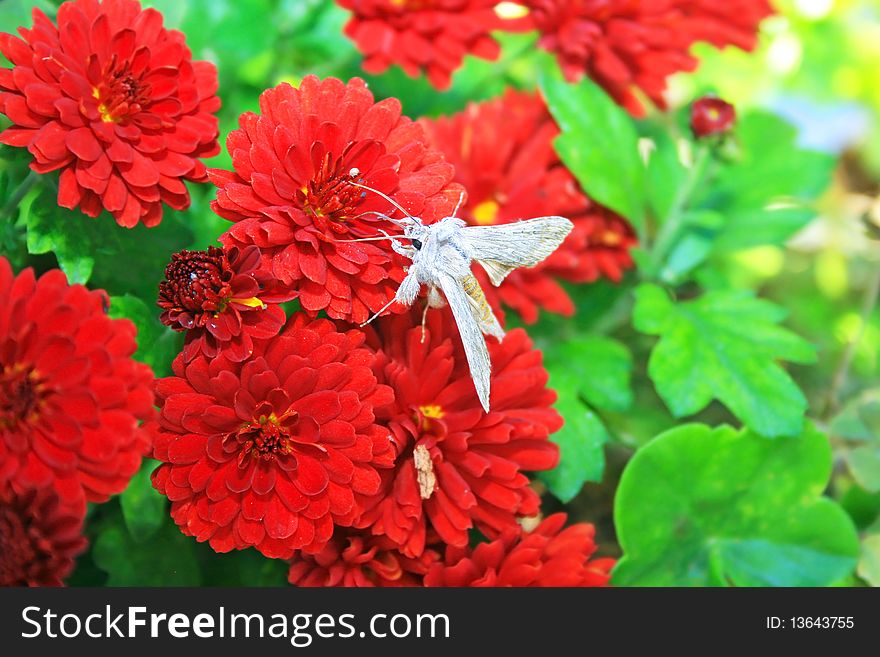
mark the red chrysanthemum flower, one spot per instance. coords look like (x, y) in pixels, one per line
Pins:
(115, 102)
(728, 23)
(39, 537)
(626, 45)
(503, 154)
(711, 116)
(458, 467)
(422, 35)
(275, 451)
(547, 556)
(221, 299)
(71, 397)
(290, 193)
(354, 559)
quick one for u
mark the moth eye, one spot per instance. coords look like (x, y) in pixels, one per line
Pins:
(417, 243)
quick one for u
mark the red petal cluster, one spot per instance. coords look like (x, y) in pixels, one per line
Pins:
(628, 45)
(114, 101)
(221, 300)
(547, 556)
(360, 560)
(422, 35)
(39, 538)
(456, 466)
(503, 154)
(71, 397)
(290, 192)
(711, 116)
(276, 450)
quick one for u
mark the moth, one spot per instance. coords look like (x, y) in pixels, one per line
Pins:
(441, 255)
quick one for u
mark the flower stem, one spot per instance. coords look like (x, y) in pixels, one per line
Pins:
(671, 228)
(20, 192)
(869, 302)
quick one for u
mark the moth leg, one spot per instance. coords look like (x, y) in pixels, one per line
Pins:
(435, 300)
(400, 248)
(406, 294)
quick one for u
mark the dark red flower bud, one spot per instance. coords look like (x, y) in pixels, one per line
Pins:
(221, 298)
(39, 537)
(711, 116)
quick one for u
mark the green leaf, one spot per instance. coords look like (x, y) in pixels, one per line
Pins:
(666, 174)
(157, 344)
(70, 235)
(90, 249)
(581, 457)
(765, 195)
(585, 371)
(698, 507)
(698, 232)
(143, 508)
(598, 143)
(724, 346)
(869, 561)
(596, 367)
(167, 558)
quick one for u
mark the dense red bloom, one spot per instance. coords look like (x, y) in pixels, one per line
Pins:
(272, 452)
(221, 299)
(290, 193)
(115, 102)
(711, 116)
(728, 23)
(625, 45)
(503, 154)
(547, 556)
(422, 35)
(71, 397)
(359, 560)
(39, 537)
(457, 466)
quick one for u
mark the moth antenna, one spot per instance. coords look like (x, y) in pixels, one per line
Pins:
(458, 205)
(379, 312)
(377, 213)
(387, 198)
(375, 239)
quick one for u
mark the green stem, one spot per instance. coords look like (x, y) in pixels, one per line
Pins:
(20, 192)
(673, 224)
(872, 294)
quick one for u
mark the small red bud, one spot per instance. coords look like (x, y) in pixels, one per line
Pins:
(711, 116)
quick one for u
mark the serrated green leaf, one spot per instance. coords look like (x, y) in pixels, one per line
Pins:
(585, 371)
(724, 346)
(157, 344)
(597, 368)
(598, 143)
(70, 235)
(765, 194)
(581, 454)
(143, 508)
(698, 507)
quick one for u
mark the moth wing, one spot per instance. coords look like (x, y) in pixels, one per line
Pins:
(501, 248)
(475, 348)
(497, 271)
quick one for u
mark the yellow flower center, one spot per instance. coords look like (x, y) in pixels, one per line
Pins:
(433, 411)
(486, 212)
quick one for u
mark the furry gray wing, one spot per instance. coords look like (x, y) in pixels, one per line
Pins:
(471, 336)
(501, 248)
